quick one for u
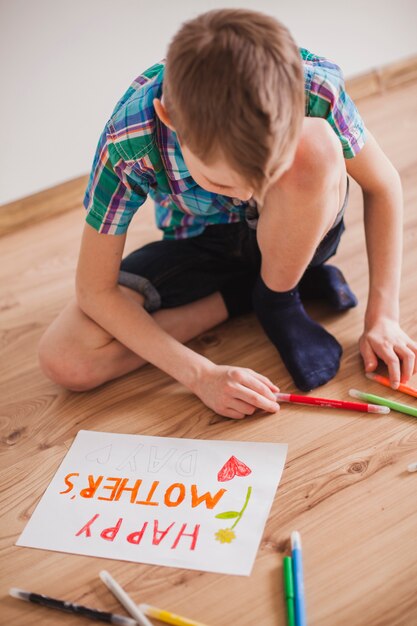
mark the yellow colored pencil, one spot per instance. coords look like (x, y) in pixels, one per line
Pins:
(167, 616)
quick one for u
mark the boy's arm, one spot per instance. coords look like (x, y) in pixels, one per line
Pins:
(230, 391)
(382, 193)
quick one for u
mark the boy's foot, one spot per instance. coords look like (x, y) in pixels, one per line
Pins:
(310, 353)
(326, 282)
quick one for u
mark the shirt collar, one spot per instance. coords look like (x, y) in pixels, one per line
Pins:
(172, 154)
(170, 148)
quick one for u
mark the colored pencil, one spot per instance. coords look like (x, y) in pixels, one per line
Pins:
(387, 383)
(68, 607)
(167, 616)
(297, 568)
(289, 590)
(124, 599)
(333, 404)
(395, 406)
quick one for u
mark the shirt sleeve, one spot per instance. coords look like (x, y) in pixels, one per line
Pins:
(114, 191)
(327, 98)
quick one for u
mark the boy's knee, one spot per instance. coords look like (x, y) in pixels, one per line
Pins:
(65, 367)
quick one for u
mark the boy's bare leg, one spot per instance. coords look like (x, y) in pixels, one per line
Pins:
(77, 353)
(297, 213)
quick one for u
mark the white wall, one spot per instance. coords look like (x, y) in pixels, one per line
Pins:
(64, 64)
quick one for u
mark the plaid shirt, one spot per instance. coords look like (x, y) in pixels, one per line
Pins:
(137, 155)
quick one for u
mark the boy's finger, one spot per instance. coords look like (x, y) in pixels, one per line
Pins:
(413, 346)
(232, 413)
(235, 415)
(255, 383)
(393, 363)
(267, 382)
(408, 361)
(255, 399)
(369, 358)
(242, 407)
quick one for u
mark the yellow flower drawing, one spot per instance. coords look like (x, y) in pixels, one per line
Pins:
(225, 535)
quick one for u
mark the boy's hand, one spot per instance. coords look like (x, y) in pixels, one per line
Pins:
(385, 340)
(236, 391)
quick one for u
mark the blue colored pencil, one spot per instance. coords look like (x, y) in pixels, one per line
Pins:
(297, 563)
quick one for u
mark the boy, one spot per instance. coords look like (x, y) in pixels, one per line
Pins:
(243, 141)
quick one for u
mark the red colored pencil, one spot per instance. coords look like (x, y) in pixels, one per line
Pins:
(363, 407)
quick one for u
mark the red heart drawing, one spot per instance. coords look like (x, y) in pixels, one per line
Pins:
(233, 467)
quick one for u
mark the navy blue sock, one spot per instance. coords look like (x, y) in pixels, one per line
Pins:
(326, 282)
(310, 353)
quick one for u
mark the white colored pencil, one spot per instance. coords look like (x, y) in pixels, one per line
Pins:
(124, 599)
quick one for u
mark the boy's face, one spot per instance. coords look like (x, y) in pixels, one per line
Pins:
(218, 177)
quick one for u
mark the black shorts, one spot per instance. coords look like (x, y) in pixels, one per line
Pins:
(224, 258)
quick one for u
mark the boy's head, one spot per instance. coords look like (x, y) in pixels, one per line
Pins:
(234, 93)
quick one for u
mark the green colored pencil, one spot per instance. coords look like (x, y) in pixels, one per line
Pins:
(289, 590)
(395, 406)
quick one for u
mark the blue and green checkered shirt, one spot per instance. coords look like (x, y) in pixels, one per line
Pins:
(137, 155)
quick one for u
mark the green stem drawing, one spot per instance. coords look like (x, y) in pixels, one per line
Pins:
(236, 514)
(248, 495)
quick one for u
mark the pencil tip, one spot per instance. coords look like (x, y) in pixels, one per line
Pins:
(17, 593)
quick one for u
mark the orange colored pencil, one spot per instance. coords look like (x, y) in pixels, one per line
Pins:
(382, 380)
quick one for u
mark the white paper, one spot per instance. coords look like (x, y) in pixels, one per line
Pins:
(155, 500)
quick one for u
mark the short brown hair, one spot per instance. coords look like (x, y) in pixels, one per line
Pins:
(234, 82)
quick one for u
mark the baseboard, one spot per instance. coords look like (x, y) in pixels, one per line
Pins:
(67, 196)
(43, 205)
(382, 79)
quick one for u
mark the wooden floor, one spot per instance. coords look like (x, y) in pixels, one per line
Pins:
(345, 486)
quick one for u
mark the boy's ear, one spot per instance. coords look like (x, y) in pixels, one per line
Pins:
(162, 113)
